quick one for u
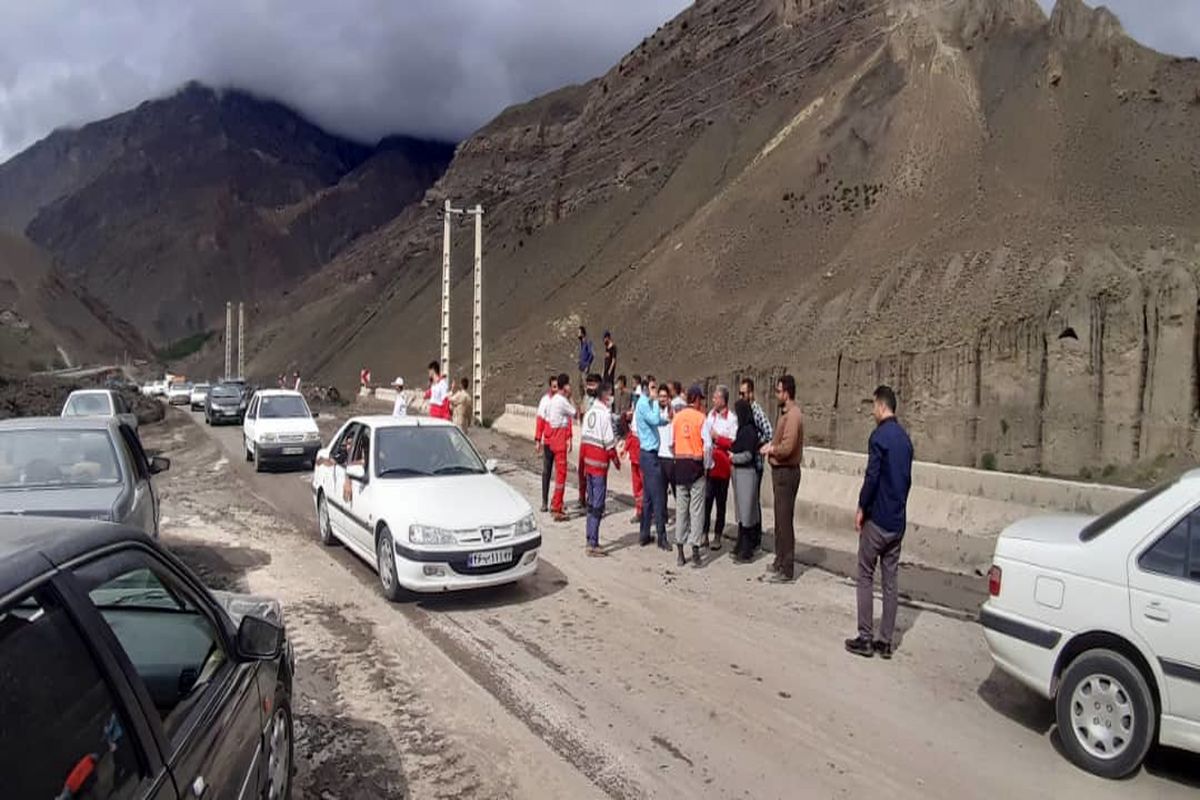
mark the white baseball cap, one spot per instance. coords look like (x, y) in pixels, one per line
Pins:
(398, 382)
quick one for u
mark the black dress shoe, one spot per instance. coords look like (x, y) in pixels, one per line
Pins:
(884, 649)
(860, 647)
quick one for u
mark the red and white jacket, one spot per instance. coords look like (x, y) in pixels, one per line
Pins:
(539, 432)
(438, 396)
(598, 440)
(719, 431)
(559, 413)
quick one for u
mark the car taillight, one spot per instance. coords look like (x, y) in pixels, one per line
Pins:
(994, 575)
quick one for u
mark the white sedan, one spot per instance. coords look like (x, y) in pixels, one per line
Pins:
(1102, 616)
(412, 497)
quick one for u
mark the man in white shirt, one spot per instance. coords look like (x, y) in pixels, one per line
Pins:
(400, 407)
(539, 439)
(559, 415)
(720, 429)
(438, 392)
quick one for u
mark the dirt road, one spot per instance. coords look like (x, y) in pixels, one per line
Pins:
(621, 677)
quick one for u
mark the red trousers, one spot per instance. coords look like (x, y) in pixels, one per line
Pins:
(557, 440)
(633, 448)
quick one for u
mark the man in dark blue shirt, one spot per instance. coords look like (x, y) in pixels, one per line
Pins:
(880, 521)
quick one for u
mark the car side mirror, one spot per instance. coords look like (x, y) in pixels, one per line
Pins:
(259, 639)
(316, 414)
(491, 464)
(159, 464)
(356, 472)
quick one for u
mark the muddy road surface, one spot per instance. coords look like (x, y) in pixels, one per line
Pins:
(621, 677)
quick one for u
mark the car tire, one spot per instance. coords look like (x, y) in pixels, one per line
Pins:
(385, 554)
(281, 749)
(324, 529)
(1107, 718)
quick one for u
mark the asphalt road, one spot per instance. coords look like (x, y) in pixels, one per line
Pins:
(619, 677)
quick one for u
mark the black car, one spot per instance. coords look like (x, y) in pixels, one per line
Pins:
(124, 677)
(226, 402)
(87, 467)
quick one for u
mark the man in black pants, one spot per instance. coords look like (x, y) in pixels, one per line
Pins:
(539, 437)
(881, 520)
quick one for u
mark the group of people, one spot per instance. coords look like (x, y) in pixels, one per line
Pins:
(694, 448)
(454, 405)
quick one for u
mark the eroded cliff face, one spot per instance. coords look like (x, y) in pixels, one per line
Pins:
(992, 210)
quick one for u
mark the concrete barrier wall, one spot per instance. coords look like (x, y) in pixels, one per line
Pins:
(955, 513)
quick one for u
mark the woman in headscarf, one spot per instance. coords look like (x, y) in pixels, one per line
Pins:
(746, 482)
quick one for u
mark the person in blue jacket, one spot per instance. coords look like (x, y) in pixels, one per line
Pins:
(586, 356)
(881, 520)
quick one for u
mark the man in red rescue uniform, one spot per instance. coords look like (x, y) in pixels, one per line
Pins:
(590, 390)
(438, 393)
(539, 438)
(559, 414)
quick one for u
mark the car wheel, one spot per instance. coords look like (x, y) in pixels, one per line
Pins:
(323, 527)
(280, 749)
(1106, 714)
(385, 552)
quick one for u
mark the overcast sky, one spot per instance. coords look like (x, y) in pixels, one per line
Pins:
(362, 68)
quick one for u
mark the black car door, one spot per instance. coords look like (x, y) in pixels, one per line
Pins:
(70, 725)
(179, 651)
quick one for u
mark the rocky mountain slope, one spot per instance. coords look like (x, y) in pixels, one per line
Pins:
(168, 210)
(992, 209)
(46, 322)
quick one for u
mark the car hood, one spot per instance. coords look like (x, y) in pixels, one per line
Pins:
(1058, 529)
(239, 605)
(61, 502)
(286, 425)
(456, 502)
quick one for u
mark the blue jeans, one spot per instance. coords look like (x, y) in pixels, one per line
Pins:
(597, 490)
(654, 496)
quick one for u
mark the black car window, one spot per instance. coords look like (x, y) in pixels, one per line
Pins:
(419, 451)
(57, 458)
(345, 442)
(62, 733)
(1170, 555)
(283, 406)
(171, 643)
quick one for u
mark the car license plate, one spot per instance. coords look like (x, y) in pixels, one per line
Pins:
(491, 558)
(293, 451)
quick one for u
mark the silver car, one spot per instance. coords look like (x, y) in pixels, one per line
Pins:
(99, 403)
(82, 467)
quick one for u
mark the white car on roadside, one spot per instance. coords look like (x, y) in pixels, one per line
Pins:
(199, 396)
(179, 394)
(279, 428)
(99, 403)
(412, 497)
(1102, 616)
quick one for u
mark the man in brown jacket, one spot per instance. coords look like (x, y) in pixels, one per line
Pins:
(784, 454)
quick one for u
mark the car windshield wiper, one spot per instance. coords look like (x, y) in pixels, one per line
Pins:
(402, 471)
(458, 469)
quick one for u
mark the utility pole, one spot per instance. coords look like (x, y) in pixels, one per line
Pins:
(477, 349)
(241, 341)
(228, 338)
(448, 210)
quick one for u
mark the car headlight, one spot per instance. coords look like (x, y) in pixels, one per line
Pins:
(428, 534)
(312, 437)
(526, 525)
(269, 437)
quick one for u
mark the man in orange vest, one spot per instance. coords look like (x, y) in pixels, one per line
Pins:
(688, 450)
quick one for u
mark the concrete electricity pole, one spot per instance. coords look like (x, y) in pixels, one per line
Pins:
(228, 338)
(448, 210)
(241, 341)
(477, 349)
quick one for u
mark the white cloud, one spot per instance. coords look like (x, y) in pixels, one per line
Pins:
(362, 68)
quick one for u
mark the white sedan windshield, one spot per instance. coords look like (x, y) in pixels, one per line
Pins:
(283, 407)
(420, 451)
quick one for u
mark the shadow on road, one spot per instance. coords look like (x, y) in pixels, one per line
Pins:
(1007, 696)
(548, 580)
(218, 566)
